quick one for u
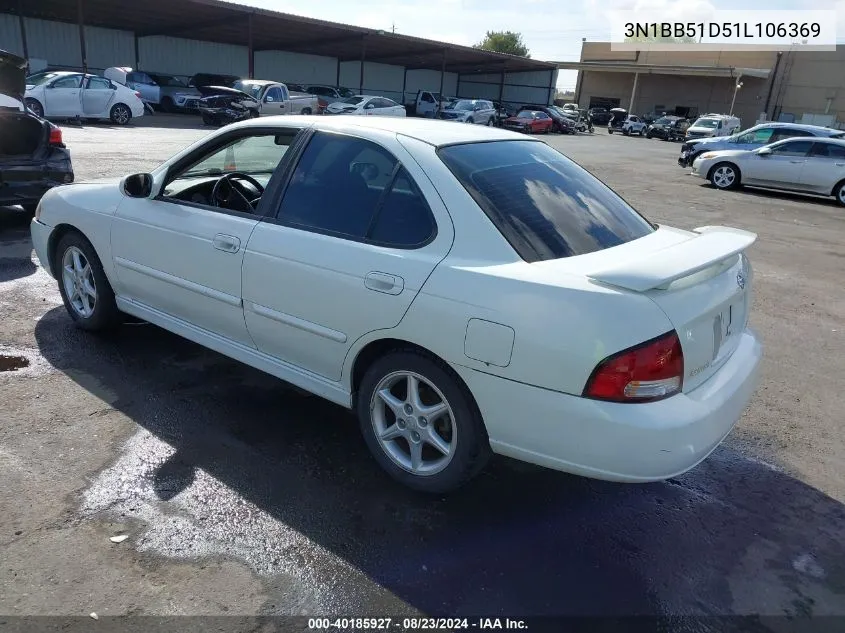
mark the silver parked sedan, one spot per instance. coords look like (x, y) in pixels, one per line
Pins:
(804, 165)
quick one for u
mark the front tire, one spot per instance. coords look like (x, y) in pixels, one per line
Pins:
(120, 114)
(724, 176)
(839, 193)
(85, 289)
(420, 422)
(35, 106)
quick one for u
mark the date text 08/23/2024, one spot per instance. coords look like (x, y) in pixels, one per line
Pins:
(415, 624)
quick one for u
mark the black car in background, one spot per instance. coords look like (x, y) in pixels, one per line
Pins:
(200, 80)
(667, 128)
(599, 116)
(33, 157)
(562, 124)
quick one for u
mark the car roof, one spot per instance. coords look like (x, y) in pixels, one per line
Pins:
(818, 129)
(431, 131)
(818, 139)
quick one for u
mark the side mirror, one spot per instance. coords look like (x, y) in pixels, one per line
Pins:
(764, 151)
(269, 99)
(137, 185)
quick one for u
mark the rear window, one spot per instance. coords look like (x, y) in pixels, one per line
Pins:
(545, 205)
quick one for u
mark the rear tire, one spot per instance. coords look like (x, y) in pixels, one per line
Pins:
(92, 312)
(306, 111)
(120, 114)
(609, 131)
(35, 106)
(490, 122)
(724, 176)
(459, 429)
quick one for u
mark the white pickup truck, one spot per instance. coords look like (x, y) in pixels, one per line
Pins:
(274, 98)
(426, 104)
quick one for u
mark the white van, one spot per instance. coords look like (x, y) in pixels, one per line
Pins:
(709, 125)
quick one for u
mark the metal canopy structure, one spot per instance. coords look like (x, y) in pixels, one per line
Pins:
(260, 29)
(656, 69)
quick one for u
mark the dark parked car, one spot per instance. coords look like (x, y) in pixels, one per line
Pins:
(221, 105)
(33, 157)
(599, 116)
(201, 80)
(561, 123)
(664, 127)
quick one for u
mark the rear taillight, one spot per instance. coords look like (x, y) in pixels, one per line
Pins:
(55, 136)
(322, 104)
(650, 371)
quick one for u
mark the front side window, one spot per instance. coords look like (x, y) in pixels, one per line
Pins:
(792, 148)
(256, 156)
(545, 205)
(274, 93)
(350, 187)
(760, 135)
(711, 124)
(73, 81)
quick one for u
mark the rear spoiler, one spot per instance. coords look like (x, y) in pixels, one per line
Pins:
(712, 245)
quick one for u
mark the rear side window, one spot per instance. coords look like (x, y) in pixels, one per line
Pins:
(545, 205)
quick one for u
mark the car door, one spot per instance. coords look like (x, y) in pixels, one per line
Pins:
(825, 167)
(274, 102)
(783, 168)
(352, 243)
(180, 253)
(97, 97)
(62, 97)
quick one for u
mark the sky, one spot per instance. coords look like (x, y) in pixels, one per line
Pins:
(552, 29)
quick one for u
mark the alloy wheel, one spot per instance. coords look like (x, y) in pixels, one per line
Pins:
(79, 284)
(724, 176)
(413, 423)
(121, 114)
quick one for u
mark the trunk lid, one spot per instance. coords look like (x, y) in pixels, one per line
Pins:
(701, 280)
(12, 75)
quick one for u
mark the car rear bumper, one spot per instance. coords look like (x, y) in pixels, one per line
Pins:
(612, 441)
(40, 242)
(26, 184)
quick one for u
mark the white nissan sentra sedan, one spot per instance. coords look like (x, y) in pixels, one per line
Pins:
(466, 290)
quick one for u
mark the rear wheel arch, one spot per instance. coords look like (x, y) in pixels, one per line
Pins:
(39, 107)
(379, 348)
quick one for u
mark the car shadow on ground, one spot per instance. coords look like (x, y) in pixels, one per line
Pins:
(786, 196)
(733, 536)
(15, 244)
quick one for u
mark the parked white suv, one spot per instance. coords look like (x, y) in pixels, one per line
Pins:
(634, 125)
(710, 125)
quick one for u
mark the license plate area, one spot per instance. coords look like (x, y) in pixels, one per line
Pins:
(727, 325)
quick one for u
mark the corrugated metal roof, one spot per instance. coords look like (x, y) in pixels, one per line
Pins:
(229, 23)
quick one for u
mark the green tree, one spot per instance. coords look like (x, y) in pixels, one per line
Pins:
(504, 42)
(655, 38)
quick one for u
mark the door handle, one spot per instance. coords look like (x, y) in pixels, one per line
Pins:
(796, 161)
(384, 282)
(227, 243)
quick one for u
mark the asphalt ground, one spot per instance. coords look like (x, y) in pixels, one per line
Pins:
(241, 495)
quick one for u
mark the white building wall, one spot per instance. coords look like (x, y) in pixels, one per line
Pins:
(430, 80)
(10, 34)
(108, 47)
(298, 68)
(57, 42)
(179, 56)
(382, 79)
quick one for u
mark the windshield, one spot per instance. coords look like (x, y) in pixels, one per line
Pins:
(463, 105)
(664, 120)
(545, 205)
(39, 78)
(167, 80)
(708, 123)
(252, 89)
(345, 92)
(353, 100)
